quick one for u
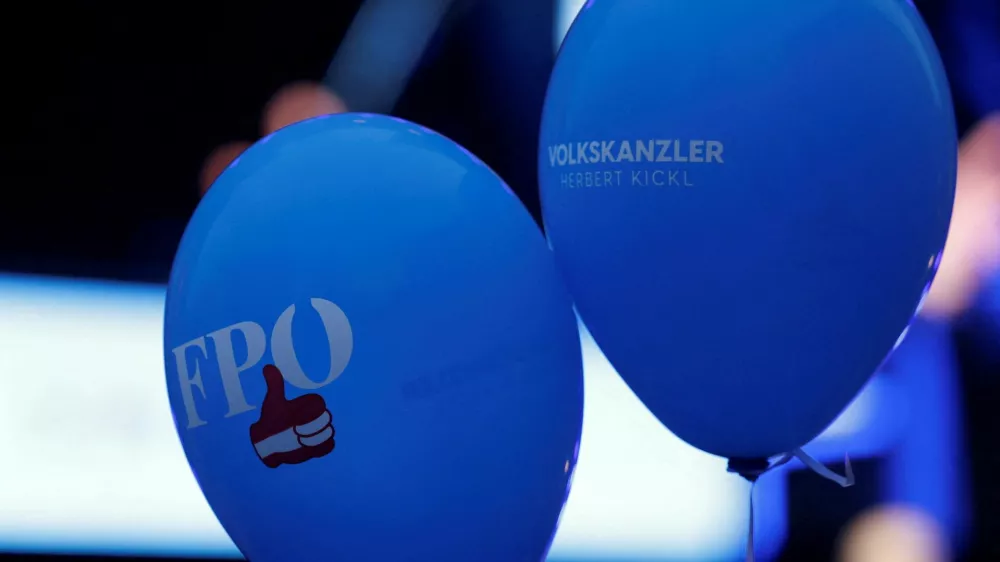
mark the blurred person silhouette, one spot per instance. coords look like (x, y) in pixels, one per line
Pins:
(970, 266)
(974, 315)
(964, 302)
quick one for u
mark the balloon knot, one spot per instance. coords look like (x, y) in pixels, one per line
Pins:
(749, 468)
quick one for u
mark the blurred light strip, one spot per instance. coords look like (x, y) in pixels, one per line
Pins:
(83, 409)
(381, 50)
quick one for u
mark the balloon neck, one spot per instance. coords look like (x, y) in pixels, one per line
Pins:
(749, 468)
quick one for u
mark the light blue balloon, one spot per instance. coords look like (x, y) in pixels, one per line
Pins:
(425, 400)
(748, 201)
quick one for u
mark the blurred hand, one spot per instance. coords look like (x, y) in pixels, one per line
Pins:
(292, 103)
(972, 253)
(893, 534)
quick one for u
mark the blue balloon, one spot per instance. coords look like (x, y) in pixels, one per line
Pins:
(748, 201)
(370, 353)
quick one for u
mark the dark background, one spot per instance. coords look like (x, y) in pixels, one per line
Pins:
(113, 107)
(116, 109)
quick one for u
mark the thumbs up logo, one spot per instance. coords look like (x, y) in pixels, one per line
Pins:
(290, 431)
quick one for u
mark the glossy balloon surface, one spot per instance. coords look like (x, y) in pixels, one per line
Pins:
(748, 201)
(370, 354)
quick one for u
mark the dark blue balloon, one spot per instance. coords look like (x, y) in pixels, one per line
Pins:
(370, 354)
(748, 200)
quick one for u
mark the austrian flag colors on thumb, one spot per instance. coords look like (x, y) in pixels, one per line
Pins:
(290, 431)
(370, 354)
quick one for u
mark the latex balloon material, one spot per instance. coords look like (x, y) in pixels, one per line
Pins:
(370, 354)
(748, 201)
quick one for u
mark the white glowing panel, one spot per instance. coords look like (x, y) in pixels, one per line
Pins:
(93, 460)
(566, 11)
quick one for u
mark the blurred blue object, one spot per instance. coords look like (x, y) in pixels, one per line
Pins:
(389, 36)
(749, 201)
(370, 354)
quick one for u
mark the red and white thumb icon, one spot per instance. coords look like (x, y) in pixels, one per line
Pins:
(290, 431)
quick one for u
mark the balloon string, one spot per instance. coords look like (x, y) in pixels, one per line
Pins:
(750, 556)
(845, 481)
